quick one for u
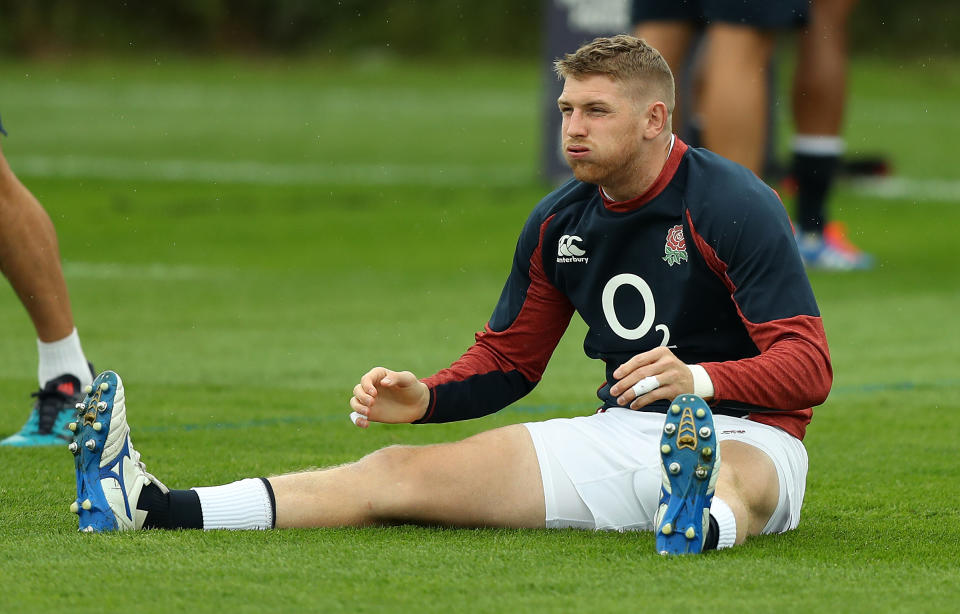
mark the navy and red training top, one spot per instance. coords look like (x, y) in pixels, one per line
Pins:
(704, 263)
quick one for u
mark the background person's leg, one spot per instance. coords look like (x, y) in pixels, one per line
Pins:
(30, 258)
(674, 40)
(819, 102)
(734, 104)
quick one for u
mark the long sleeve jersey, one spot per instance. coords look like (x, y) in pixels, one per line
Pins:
(704, 263)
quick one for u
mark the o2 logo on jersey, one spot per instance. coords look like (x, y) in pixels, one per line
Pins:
(649, 309)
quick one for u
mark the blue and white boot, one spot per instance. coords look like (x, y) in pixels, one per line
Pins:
(690, 464)
(110, 475)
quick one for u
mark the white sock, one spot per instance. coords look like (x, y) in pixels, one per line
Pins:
(818, 144)
(726, 523)
(63, 357)
(239, 505)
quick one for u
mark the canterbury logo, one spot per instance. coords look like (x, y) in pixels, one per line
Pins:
(567, 251)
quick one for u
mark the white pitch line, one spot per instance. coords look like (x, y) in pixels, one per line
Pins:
(909, 189)
(135, 97)
(155, 271)
(260, 173)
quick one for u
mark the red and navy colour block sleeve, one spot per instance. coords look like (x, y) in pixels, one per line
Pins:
(510, 354)
(758, 264)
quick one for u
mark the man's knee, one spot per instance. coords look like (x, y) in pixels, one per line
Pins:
(402, 477)
(391, 460)
(748, 478)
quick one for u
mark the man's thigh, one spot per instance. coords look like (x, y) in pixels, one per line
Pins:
(489, 479)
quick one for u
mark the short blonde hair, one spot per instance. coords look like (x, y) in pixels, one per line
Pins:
(623, 58)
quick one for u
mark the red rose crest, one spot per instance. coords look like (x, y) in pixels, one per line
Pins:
(675, 249)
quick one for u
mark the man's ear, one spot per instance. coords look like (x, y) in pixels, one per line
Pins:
(657, 120)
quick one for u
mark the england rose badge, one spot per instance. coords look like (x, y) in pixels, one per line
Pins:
(675, 249)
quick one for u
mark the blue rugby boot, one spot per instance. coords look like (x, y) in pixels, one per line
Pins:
(689, 463)
(109, 472)
(53, 410)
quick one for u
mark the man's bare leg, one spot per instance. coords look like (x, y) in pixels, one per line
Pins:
(30, 258)
(673, 39)
(749, 485)
(489, 480)
(819, 102)
(734, 104)
(820, 81)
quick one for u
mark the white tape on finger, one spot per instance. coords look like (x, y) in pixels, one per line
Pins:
(354, 416)
(647, 384)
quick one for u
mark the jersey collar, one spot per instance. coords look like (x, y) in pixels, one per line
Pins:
(677, 149)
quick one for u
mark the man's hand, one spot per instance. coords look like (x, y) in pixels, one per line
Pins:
(672, 374)
(395, 397)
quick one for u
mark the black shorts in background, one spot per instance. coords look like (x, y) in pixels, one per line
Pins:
(762, 14)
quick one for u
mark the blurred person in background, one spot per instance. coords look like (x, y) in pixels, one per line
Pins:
(819, 98)
(732, 87)
(30, 259)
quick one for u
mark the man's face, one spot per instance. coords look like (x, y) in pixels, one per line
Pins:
(602, 129)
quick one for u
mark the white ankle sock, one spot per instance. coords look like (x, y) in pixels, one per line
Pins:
(63, 357)
(239, 505)
(726, 523)
(818, 144)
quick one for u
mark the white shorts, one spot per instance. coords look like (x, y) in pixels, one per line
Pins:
(603, 471)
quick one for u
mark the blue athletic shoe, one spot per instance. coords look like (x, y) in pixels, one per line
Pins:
(54, 409)
(831, 251)
(110, 475)
(690, 463)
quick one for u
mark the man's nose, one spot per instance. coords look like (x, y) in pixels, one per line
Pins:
(575, 126)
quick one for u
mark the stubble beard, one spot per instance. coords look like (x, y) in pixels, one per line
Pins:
(612, 173)
(588, 172)
(599, 173)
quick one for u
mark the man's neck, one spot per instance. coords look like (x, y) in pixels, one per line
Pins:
(647, 175)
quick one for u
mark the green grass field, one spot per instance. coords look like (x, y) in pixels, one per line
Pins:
(242, 240)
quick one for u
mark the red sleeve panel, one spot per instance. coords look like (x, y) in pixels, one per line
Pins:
(792, 371)
(511, 353)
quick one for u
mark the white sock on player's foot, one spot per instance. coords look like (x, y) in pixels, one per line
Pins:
(818, 145)
(238, 505)
(63, 357)
(726, 523)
